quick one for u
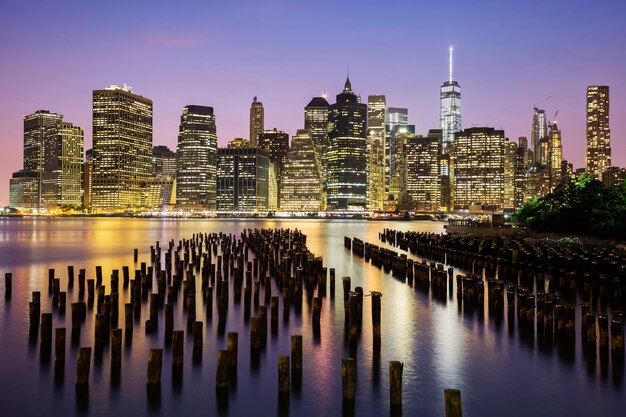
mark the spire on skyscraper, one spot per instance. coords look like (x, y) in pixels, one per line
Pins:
(347, 87)
(451, 50)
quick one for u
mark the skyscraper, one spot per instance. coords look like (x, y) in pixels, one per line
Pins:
(122, 147)
(62, 167)
(347, 153)
(242, 179)
(450, 110)
(539, 137)
(316, 122)
(397, 117)
(376, 143)
(510, 159)
(159, 189)
(276, 144)
(257, 121)
(555, 155)
(479, 169)
(301, 184)
(40, 128)
(196, 159)
(598, 155)
(422, 173)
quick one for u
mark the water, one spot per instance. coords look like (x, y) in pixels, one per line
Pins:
(497, 372)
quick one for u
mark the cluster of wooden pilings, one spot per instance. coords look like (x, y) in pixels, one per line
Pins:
(258, 259)
(538, 283)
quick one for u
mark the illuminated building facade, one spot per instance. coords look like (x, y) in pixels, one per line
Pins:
(539, 137)
(159, 190)
(479, 169)
(555, 155)
(450, 110)
(510, 159)
(238, 143)
(122, 148)
(257, 121)
(376, 143)
(276, 144)
(521, 158)
(87, 178)
(398, 197)
(598, 155)
(242, 179)
(396, 118)
(301, 186)
(347, 183)
(63, 167)
(316, 122)
(422, 173)
(24, 190)
(196, 159)
(613, 175)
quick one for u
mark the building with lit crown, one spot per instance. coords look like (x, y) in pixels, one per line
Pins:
(479, 169)
(347, 182)
(301, 186)
(450, 110)
(598, 152)
(316, 122)
(257, 121)
(196, 159)
(122, 148)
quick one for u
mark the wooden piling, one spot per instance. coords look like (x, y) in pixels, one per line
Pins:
(376, 317)
(8, 284)
(178, 341)
(83, 363)
(59, 345)
(221, 377)
(116, 346)
(348, 379)
(198, 326)
(452, 398)
(296, 353)
(317, 310)
(46, 331)
(395, 383)
(233, 348)
(283, 373)
(155, 365)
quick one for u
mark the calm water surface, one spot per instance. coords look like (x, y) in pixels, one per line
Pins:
(497, 372)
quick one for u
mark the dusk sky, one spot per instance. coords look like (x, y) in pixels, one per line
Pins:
(509, 56)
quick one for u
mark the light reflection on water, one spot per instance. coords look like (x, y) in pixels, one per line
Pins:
(498, 373)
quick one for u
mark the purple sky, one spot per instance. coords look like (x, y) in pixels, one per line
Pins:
(509, 56)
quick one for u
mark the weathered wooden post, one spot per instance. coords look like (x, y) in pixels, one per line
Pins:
(155, 365)
(348, 379)
(116, 347)
(617, 339)
(376, 296)
(178, 340)
(233, 348)
(283, 374)
(395, 384)
(83, 363)
(135, 255)
(46, 334)
(197, 339)
(296, 353)
(452, 399)
(317, 310)
(221, 377)
(59, 345)
(8, 284)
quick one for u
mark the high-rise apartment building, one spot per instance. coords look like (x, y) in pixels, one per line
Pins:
(539, 137)
(301, 186)
(196, 159)
(316, 121)
(257, 121)
(53, 158)
(423, 185)
(347, 182)
(510, 160)
(63, 167)
(276, 143)
(242, 179)
(398, 196)
(613, 175)
(397, 117)
(598, 155)
(555, 155)
(450, 110)
(479, 169)
(122, 148)
(376, 143)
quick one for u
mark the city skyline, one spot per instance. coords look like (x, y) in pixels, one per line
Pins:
(502, 81)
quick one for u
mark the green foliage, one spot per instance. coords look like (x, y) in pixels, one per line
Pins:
(582, 206)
